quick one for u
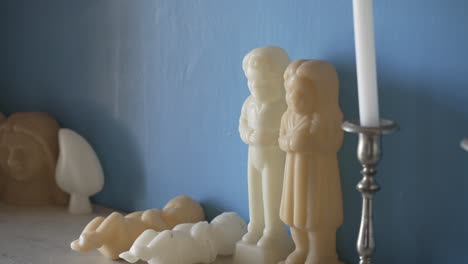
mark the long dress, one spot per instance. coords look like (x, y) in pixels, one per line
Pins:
(311, 197)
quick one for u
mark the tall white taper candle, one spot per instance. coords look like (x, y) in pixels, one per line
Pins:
(365, 62)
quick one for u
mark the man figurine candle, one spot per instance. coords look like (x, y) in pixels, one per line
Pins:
(266, 241)
(365, 62)
(311, 136)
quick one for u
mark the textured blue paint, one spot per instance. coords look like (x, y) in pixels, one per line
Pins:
(156, 86)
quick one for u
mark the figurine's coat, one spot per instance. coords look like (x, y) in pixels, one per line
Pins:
(311, 191)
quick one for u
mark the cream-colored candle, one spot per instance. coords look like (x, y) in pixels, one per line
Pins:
(311, 135)
(266, 240)
(365, 62)
(189, 243)
(116, 233)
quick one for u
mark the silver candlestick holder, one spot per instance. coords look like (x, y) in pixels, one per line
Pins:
(369, 153)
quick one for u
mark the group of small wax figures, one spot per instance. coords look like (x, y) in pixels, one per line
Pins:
(292, 124)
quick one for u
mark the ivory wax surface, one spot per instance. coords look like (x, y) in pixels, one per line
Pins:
(116, 233)
(189, 243)
(259, 128)
(78, 171)
(311, 135)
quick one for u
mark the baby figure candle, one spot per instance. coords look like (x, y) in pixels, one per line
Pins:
(266, 240)
(311, 136)
(189, 243)
(116, 233)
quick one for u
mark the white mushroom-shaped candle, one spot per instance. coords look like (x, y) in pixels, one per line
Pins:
(79, 171)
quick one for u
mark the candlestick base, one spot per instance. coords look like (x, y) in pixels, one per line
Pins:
(253, 254)
(369, 153)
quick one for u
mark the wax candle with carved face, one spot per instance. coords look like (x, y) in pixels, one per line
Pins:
(28, 156)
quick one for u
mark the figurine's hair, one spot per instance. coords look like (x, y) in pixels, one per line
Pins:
(274, 56)
(41, 127)
(324, 78)
(318, 72)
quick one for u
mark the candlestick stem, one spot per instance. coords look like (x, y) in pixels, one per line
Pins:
(369, 153)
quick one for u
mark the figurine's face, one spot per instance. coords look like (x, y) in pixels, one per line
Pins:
(263, 84)
(301, 95)
(21, 158)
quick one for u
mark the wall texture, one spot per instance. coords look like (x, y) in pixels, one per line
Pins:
(157, 86)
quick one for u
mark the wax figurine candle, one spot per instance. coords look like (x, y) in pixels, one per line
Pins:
(116, 233)
(28, 156)
(365, 62)
(189, 243)
(78, 171)
(311, 135)
(266, 240)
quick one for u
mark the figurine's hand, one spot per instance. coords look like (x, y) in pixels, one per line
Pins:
(245, 133)
(293, 144)
(284, 143)
(300, 142)
(296, 144)
(314, 125)
(254, 137)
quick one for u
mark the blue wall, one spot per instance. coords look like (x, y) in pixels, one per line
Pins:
(157, 86)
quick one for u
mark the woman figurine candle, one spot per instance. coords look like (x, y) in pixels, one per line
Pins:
(311, 135)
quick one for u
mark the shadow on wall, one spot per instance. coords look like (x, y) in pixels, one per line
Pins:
(119, 154)
(349, 167)
(422, 186)
(212, 208)
(422, 174)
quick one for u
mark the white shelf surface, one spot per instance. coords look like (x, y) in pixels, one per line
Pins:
(42, 235)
